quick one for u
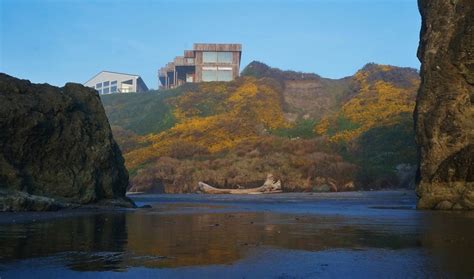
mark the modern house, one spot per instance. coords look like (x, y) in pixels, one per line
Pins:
(205, 62)
(107, 82)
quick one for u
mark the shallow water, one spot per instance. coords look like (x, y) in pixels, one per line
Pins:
(356, 235)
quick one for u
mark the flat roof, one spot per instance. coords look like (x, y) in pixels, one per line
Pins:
(217, 47)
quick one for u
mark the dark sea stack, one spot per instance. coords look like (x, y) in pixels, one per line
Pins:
(56, 143)
(444, 115)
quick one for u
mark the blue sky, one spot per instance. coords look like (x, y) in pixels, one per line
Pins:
(57, 41)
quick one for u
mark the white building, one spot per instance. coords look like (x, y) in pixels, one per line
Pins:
(107, 82)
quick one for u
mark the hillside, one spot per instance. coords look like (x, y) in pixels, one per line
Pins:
(381, 95)
(305, 95)
(314, 133)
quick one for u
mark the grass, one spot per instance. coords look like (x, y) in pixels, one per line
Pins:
(142, 113)
(342, 124)
(301, 129)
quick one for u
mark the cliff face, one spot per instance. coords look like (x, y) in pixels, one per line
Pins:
(56, 143)
(444, 112)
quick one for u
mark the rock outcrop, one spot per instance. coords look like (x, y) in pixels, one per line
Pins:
(444, 115)
(56, 143)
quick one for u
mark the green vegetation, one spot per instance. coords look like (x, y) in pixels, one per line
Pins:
(142, 113)
(307, 130)
(301, 129)
(381, 149)
(341, 124)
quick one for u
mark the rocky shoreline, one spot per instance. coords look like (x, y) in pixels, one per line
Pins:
(21, 201)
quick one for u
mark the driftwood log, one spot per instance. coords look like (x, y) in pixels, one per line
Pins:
(270, 186)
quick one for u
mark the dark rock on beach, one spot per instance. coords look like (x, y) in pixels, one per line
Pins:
(444, 112)
(56, 148)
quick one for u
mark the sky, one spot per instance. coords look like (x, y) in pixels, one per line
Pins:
(58, 41)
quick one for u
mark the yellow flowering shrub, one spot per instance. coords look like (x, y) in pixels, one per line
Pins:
(215, 118)
(377, 102)
(322, 127)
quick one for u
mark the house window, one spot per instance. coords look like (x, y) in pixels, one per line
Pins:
(106, 83)
(125, 88)
(209, 57)
(113, 82)
(224, 57)
(209, 73)
(216, 73)
(113, 89)
(224, 75)
(99, 90)
(217, 57)
(98, 85)
(105, 90)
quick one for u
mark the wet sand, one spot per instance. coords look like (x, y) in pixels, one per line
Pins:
(356, 235)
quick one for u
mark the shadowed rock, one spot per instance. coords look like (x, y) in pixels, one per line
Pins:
(444, 112)
(56, 142)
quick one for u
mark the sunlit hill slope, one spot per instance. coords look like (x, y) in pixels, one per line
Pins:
(315, 134)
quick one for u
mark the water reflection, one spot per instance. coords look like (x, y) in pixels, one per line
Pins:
(449, 238)
(152, 238)
(79, 242)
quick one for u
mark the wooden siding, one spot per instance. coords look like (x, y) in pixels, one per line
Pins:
(217, 47)
(195, 58)
(189, 53)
